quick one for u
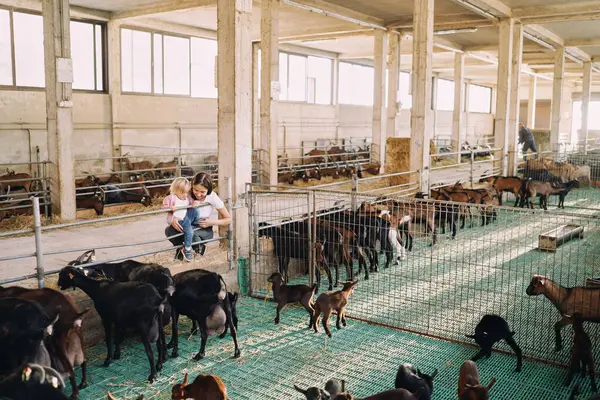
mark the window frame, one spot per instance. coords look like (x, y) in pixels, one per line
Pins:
(104, 37)
(491, 99)
(287, 72)
(152, 32)
(360, 65)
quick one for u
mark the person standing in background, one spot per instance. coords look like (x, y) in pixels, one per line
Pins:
(526, 137)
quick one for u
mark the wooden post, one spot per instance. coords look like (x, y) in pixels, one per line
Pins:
(379, 131)
(531, 104)
(393, 78)
(234, 117)
(269, 91)
(557, 88)
(59, 106)
(510, 166)
(503, 88)
(458, 129)
(585, 104)
(421, 112)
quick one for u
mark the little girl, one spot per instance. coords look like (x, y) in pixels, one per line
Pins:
(188, 218)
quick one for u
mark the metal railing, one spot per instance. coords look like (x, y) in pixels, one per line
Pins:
(38, 235)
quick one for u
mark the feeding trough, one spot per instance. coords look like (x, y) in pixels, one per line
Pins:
(552, 239)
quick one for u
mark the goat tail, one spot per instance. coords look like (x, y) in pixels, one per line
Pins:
(314, 288)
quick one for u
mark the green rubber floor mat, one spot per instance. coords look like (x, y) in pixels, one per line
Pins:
(275, 357)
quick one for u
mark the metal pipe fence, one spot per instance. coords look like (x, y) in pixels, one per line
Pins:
(41, 269)
(436, 274)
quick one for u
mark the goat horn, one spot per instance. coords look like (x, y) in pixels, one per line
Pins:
(489, 386)
(434, 374)
(300, 390)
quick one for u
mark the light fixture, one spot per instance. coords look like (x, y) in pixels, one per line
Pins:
(539, 41)
(453, 31)
(477, 9)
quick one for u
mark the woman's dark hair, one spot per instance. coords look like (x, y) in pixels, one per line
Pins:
(202, 178)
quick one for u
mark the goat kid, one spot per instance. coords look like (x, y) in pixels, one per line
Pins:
(469, 386)
(204, 387)
(332, 388)
(410, 378)
(492, 329)
(333, 301)
(582, 354)
(286, 294)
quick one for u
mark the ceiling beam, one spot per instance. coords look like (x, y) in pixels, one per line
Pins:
(491, 9)
(76, 11)
(567, 8)
(583, 42)
(339, 12)
(443, 21)
(315, 37)
(561, 18)
(543, 34)
(162, 7)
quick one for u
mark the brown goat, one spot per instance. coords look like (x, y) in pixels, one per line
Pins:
(510, 184)
(89, 180)
(139, 166)
(204, 387)
(16, 181)
(337, 154)
(333, 301)
(469, 386)
(286, 177)
(315, 157)
(373, 168)
(582, 354)
(287, 294)
(167, 169)
(568, 301)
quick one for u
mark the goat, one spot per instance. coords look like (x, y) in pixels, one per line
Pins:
(32, 381)
(233, 298)
(469, 386)
(202, 296)
(315, 157)
(492, 329)
(158, 189)
(204, 387)
(582, 354)
(333, 301)
(372, 169)
(530, 189)
(510, 184)
(137, 195)
(334, 171)
(143, 167)
(332, 388)
(394, 394)
(286, 177)
(568, 301)
(95, 201)
(23, 324)
(337, 154)
(56, 303)
(413, 380)
(16, 181)
(167, 169)
(134, 305)
(88, 181)
(130, 271)
(287, 294)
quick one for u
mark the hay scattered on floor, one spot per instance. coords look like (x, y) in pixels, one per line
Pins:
(397, 159)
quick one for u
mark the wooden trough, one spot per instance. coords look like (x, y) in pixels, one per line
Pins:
(552, 239)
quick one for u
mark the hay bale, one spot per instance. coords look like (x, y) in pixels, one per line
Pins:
(542, 139)
(397, 159)
(432, 148)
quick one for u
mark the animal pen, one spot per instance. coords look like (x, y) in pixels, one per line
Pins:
(439, 292)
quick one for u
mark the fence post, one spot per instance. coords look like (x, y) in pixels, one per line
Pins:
(230, 226)
(311, 221)
(37, 227)
(472, 160)
(354, 192)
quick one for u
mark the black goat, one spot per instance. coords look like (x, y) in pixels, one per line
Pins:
(413, 380)
(492, 329)
(23, 324)
(115, 194)
(130, 271)
(32, 381)
(134, 305)
(233, 298)
(201, 295)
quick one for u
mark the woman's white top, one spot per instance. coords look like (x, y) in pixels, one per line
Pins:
(214, 203)
(180, 214)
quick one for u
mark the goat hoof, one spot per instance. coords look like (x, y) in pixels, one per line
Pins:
(83, 385)
(174, 354)
(237, 353)
(74, 396)
(518, 369)
(276, 320)
(159, 366)
(558, 348)
(170, 345)
(222, 335)
(151, 378)
(107, 363)
(199, 356)
(116, 356)
(329, 334)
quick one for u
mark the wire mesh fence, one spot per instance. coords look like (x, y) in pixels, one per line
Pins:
(450, 278)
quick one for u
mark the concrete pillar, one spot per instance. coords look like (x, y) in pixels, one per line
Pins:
(421, 112)
(234, 78)
(379, 132)
(513, 114)
(256, 100)
(269, 90)
(503, 88)
(59, 106)
(458, 130)
(557, 89)
(336, 81)
(532, 101)
(393, 78)
(585, 104)
(114, 87)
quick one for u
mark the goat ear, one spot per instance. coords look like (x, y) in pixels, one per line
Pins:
(300, 390)
(185, 380)
(434, 374)
(492, 382)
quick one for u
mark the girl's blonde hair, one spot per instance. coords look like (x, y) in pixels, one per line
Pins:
(179, 185)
